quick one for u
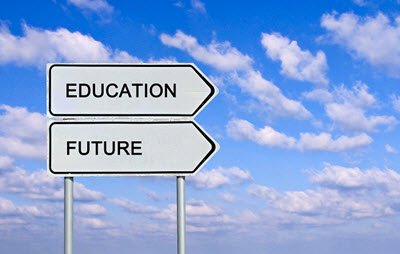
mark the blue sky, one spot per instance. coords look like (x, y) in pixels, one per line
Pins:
(307, 119)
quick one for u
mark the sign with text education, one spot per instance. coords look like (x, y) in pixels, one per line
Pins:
(85, 90)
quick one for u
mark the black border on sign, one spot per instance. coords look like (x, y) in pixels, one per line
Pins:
(132, 65)
(212, 150)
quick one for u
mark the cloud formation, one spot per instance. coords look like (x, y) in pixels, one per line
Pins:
(237, 67)
(198, 6)
(215, 178)
(221, 56)
(296, 63)
(23, 133)
(39, 185)
(61, 45)
(371, 38)
(267, 136)
(97, 6)
(343, 193)
(347, 108)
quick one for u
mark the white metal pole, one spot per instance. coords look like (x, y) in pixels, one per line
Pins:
(68, 213)
(181, 220)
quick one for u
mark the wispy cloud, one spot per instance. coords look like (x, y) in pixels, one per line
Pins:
(395, 102)
(220, 55)
(343, 194)
(198, 6)
(215, 178)
(96, 6)
(372, 38)
(61, 45)
(347, 108)
(267, 136)
(238, 68)
(23, 133)
(295, 63)
(390, 149)
(39, 185)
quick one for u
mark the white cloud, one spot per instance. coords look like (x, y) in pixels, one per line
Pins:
(154, 195)
(90, 209)
(295, 63)
(61, 45)
(374, 39)
(179, 4)
(266, 92)
(395, 101)
(263, 192)
(201, 208)
(350, 117)
(339, 177)
(133, 207)
(198, 6)
(24, 132)
(390, 149)
(8, 208)
(39, 185)
(221, 56)
(214, 178)
(202, 217)
(6, 163)
(327, 204)
(325, 142)
(20, 148)
(228, 197)
(358, 95)
(97, 6)
(94, 223)
(360, 2)
(238, 69)
(243, 130)
(319, 94)
(347, 108)
(83, 193)
(19, 122)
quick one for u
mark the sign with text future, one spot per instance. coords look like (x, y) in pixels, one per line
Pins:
(119, 119)
(84, 90)
(126, 147)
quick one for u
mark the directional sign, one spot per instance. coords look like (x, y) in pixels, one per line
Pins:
(85, 90)
(117, 148)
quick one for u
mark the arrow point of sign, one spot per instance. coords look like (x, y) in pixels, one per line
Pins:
(214, 147)
(213, 88)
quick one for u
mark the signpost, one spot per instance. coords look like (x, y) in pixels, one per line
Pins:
(126, 119)
(118, 90)
(120, 148)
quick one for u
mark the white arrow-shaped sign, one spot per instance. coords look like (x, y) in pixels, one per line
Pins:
(117, 148)
(85, 90)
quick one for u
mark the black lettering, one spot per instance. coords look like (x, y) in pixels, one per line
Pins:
(123, 145)
(160, 90)
(134, 147)
(96, 146)
(70, 147)
(170, 90)
(125, 89)
(112, 148)
(70, 89)
(81, 150)
(101, 90)
(137, 85)
(108, 90)
(81, 90)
